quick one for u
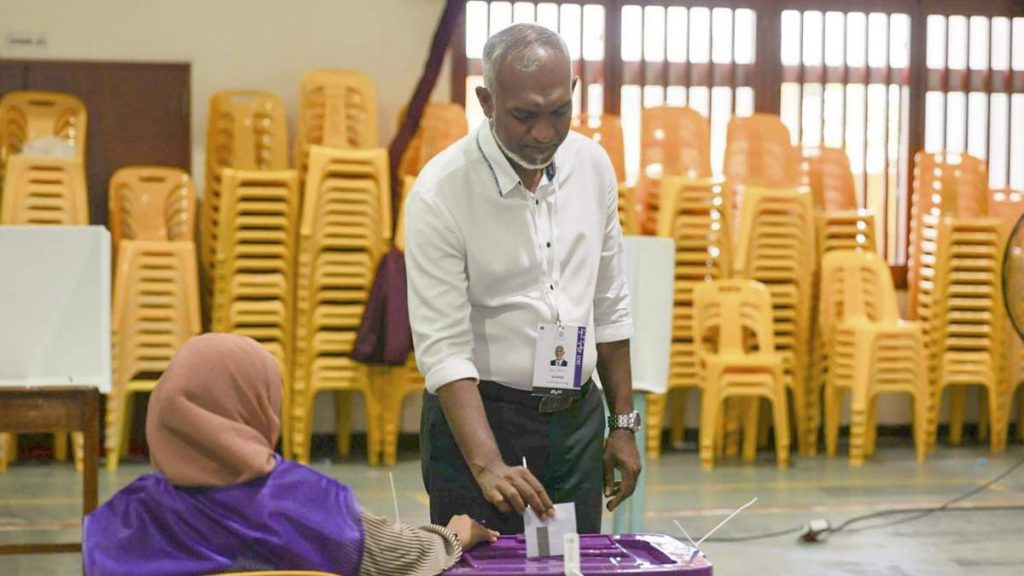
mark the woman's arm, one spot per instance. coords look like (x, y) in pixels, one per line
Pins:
(391, 548)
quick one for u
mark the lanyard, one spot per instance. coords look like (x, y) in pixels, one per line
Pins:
(552, 266)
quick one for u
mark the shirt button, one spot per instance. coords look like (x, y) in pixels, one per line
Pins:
(537, 202)
(551, 286)
(549, 244)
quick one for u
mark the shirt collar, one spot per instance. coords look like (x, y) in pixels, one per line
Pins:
(499, 165)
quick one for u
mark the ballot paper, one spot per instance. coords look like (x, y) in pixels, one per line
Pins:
(547, 538)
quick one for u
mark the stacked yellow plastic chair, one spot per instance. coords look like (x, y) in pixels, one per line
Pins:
(346, 227)
(695, 214)
(151, 203)
(156, 286)
(245, 130)
(672, 141)
(1007, 206)
(254, 268)
(961, 306)
(441, 125)
(943, 183)
(737, 359)
(337, 109)
(39, 191)
(871, 351)
(29, 115)
(776, 247)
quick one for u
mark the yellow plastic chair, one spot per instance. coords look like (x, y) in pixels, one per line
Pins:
(759, 152)
(44, 191)
(152, 203)
(729, 316)
(345, 229)
(871, 351)
(337, 109)
(441, 125)
(29, 115)
(606, 130)
(695, 213)
(672, 141)
(155, 311)
(828, 175)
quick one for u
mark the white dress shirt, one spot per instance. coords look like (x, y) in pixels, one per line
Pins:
(487, 260)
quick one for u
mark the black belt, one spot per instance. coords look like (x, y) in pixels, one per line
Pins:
(547, 404)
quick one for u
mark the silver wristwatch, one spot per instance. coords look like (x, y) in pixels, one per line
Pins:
(629, 421)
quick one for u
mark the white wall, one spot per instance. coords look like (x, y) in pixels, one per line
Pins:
(253, 44)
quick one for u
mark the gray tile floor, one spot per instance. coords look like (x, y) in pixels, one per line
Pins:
(39, 501)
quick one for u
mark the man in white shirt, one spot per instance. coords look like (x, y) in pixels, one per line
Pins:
(514, 245)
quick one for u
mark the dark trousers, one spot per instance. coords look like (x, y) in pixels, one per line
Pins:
(562, 449)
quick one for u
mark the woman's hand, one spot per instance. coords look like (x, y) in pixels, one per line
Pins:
(470, 532)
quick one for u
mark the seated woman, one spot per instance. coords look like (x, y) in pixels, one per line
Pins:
(222, 501)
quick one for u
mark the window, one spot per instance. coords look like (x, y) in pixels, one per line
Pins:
(879, 78)
(845, 84)
(975, 92)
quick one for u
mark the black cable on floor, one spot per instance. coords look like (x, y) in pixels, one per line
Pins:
(917, 514)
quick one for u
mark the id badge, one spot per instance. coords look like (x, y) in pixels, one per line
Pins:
(558, 359)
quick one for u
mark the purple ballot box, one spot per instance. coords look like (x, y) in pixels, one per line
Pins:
(625, 554)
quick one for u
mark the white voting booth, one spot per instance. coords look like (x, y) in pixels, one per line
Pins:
(650, 274)
(55, 306)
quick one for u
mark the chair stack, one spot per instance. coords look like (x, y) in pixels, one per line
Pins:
(737, 359)
(254, 268)
(156, 287)
(672, 141)
(960, 304)
(441, 125)
(245, 130)
(870, 350)
(776, 248)
(346, 227)
(337, 109)
(695, 214)
(41, 190)
(943, 183)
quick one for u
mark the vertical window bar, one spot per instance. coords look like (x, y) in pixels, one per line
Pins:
(867, 99)
(824, 81)
(734, 76)
(965, 76)
(846, 77)
(1010, 86)
(885, 134)
(800, 79)
(945, 88)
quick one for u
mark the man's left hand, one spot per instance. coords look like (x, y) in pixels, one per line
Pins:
(620, 453)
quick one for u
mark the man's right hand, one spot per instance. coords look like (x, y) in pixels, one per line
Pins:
(514, 488)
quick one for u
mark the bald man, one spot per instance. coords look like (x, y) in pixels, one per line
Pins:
(514, 247)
